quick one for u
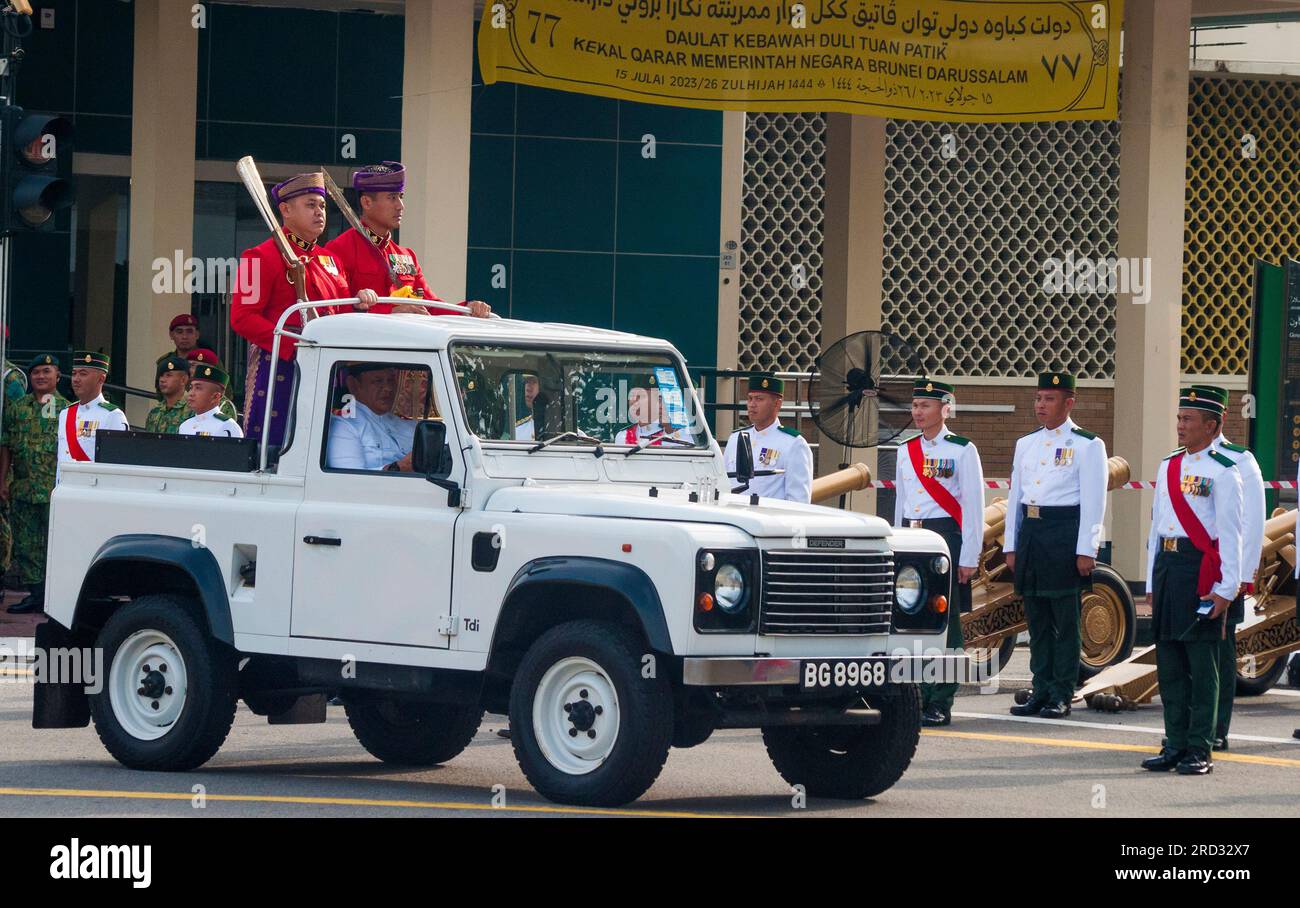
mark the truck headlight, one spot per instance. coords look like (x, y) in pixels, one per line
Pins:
(908, 589)
(729, 588)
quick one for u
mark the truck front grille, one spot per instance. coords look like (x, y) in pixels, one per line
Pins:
(819, 592)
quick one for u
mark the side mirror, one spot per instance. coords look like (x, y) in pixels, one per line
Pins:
(744, 460)
(426, 453)
(429, 457)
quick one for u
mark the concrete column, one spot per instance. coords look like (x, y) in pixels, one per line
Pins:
(852, 250)
(101, 258)
(733, 203)
(1148, 338)
(436, 78)
(162, 179)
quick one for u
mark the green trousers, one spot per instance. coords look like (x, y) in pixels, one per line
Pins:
(1054, 643)
(942, 695)
(1188, 673)
(1227, 681)
(31, 524)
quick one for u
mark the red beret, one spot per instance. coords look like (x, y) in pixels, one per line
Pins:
(202, 355)
(182, 321)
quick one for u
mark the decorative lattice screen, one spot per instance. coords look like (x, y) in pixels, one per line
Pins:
(781, 232)
(967, 240)
(1238, 209)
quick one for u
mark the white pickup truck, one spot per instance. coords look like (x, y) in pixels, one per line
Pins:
(614, 597)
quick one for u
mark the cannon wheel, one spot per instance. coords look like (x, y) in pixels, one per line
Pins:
(980, 657)
(1266, 674)
(1107, 622)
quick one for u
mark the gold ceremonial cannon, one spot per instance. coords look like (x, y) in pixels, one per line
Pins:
(851, 479)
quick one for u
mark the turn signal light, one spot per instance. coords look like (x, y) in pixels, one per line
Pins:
(941, 604)
(705, 602)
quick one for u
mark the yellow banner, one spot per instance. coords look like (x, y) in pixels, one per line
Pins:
(963, 60)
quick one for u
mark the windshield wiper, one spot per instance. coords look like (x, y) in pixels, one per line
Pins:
(570, 436)
(650, 442)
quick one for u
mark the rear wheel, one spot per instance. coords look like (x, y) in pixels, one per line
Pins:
(409, 733)
(1255, 677)
(846, 761)
(169, 699)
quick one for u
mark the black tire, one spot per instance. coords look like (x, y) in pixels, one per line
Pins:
(1119, 619)
(692, 731)
(850, 762)
(1263, 679)
(410, 733)
(644, 714)
(207, 706)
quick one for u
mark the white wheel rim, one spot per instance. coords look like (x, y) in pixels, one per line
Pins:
(576, 740)
(147, 684)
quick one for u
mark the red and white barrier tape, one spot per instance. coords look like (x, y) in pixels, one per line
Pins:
(1137, 484)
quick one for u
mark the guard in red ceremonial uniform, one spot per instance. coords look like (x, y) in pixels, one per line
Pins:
(374, 261)
(253, 313)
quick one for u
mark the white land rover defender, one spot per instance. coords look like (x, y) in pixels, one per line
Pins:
(614, 597)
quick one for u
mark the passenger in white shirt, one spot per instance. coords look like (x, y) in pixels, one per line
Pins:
(366, 435)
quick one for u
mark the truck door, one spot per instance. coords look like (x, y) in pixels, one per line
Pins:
(373, 547)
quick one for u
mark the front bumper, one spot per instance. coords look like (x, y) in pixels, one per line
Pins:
(737, 671)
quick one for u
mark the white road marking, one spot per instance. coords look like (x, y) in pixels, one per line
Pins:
(1111, 726)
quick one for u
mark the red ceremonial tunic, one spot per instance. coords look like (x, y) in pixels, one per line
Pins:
(364, 268)
(264, 291)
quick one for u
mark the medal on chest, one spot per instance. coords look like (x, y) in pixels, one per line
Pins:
(403, 264)
(939, 468)
(1198, 486)
(327, 262)
(86, 428)
(1064, 457)
(768, 456)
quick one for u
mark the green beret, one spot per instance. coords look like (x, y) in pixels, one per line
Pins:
(1192, 399)
(173, 363)
(766, 381)
(89, 359)
(208, 372)
(44, 359)
(1212, 391)
(1055, 381)
(933, 390)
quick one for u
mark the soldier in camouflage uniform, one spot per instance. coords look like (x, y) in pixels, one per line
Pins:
(29, 440)
(173, 375)
(15, 386)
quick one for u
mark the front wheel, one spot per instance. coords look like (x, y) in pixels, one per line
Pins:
(170, 695)
(1107, 622)
(587, 726)
(850, 762)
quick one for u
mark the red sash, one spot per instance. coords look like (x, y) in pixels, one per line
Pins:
(1211, 572)
(70, 435)
(942, 497)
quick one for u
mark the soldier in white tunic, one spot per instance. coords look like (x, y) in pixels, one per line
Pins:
(939, 486)
(91, 412)
(1252, 548)
(1194, 572)
(207, 385)
(775, 447)
(1055, 510)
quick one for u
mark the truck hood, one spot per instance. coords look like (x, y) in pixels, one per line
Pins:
(770, 518)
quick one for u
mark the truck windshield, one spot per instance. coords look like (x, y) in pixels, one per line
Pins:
(529, 394)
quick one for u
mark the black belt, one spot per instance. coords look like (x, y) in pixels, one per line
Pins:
(1180, 544)
(938, 524)
(1048, 512)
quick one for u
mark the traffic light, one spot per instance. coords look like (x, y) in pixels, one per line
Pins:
(37, 168)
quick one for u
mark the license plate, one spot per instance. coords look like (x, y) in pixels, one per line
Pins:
(843, 674)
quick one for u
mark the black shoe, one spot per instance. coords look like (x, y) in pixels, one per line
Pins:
(35, 602)
(1195, 763)
(1164, 761)
(1031, 707)
(503, 732)
(1220, 742)
(935, 715)
(1055, 710)
(1296, 733)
